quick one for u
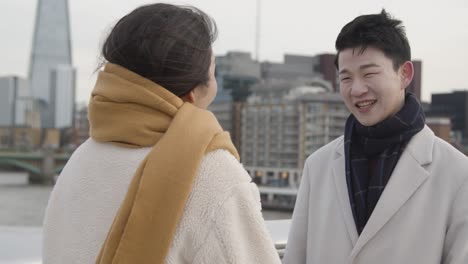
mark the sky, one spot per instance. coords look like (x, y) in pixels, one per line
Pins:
(437, 31)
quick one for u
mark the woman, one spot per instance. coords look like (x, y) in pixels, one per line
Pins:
(158, 181)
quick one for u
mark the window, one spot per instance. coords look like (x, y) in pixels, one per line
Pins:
(4, 140)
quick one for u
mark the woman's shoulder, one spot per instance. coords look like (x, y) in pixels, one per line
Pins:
(219, 176)
(221, 166)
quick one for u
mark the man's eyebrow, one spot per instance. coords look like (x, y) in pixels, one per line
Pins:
(370, 65)
(343, 71)
(362, 67)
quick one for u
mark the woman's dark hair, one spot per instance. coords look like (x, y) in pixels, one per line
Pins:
(379, 31)
(170, 45)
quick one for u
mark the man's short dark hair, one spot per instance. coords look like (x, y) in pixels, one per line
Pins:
(379, 31)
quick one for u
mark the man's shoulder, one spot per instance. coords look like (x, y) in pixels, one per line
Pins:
(446, 153)
(438, 156)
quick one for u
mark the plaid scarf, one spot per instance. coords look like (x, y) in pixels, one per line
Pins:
(372, 153)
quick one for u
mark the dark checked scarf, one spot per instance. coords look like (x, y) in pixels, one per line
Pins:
(372, 153)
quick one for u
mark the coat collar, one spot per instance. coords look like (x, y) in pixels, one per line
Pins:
(420, 146)
(406, 178)
(342, 192)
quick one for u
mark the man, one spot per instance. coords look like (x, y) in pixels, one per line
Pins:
(389, 191)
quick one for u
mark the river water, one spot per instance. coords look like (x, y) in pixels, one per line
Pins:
(24, 205)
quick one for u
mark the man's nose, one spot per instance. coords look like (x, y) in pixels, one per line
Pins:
(358, 88)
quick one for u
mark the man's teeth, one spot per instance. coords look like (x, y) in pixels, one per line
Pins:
(364, 104)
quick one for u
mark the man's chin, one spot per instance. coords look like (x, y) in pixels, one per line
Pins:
(367, 122)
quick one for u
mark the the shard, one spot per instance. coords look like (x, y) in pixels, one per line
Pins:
(51, 74)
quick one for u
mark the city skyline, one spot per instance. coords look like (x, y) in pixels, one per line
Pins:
(437, 33)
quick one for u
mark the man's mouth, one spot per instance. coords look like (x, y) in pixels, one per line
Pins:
(364, 104)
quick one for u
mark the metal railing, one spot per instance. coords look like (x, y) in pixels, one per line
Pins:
(279, 230)
(280, 247)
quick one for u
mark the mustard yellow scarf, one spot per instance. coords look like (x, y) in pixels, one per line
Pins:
(129, 110)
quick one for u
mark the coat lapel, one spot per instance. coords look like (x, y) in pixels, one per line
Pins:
(406, 178)
(342, 193)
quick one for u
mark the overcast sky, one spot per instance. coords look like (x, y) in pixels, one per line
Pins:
(437, 31)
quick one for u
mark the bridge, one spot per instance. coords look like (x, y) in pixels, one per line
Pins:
(42, 165)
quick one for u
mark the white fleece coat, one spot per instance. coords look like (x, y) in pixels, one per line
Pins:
(222, 220)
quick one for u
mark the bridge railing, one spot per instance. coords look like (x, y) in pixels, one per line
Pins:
(42, 166)
(279, 230)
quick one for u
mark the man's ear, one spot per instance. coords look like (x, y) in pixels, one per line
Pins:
(407, 73)
(189, 97)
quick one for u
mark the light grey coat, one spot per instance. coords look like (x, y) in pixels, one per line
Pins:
(421, 217)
